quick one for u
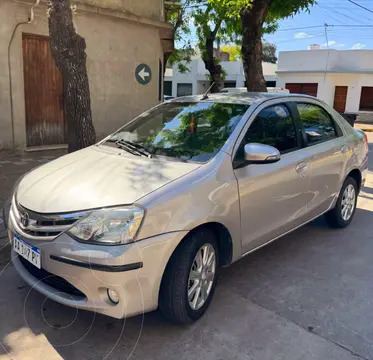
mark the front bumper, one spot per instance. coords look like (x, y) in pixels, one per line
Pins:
(133, 271)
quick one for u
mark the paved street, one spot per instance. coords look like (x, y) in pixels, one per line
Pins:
(11, 168)
(307, 296)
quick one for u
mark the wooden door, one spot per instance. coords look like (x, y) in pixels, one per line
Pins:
(45, 123)
(340, 98)
(303, 88)
(366, 99)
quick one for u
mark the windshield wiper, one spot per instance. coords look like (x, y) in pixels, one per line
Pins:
(133, 148)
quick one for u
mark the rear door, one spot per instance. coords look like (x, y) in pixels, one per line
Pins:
(273, 197)
(328, 150)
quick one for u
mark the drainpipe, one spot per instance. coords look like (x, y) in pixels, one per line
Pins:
(30, 19)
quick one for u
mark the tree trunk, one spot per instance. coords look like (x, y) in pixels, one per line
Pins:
(252, 24)
(68, 50)
(211, 66)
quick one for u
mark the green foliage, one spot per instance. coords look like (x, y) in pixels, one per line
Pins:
(234, 52)
(280, 9)
(216, 21)
(269, 53)
(218, 17)
(233, 7)
(181, 58)
(178, 16)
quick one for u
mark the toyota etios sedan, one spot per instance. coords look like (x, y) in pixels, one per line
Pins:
(144, 219)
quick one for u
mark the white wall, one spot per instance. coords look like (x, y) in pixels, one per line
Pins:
(354, 82)
(327, 84)
(352, 68)
(330, 60)
(198, 75)
(325, 87)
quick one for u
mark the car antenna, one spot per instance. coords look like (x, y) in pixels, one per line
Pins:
(205, 97)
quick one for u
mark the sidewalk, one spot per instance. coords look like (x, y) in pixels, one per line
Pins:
(11, 168)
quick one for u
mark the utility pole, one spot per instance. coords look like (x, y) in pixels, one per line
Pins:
(327, 46)
(326, 35)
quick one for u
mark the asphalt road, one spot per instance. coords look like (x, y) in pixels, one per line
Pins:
(307, 296)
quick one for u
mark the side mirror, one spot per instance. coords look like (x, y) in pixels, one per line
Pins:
(261, 154)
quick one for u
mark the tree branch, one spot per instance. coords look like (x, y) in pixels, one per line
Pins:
(217, 28)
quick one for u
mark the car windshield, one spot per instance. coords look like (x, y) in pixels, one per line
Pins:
(184, 131)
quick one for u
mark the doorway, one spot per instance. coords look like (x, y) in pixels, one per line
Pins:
(45, 121)
(340, 98)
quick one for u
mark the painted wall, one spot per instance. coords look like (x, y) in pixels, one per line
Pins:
(151, 9)
(111, 61)
(327, 84)
(330, 60)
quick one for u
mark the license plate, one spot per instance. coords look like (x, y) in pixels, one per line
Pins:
(27, 251)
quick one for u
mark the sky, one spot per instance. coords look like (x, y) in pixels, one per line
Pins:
(294, 34)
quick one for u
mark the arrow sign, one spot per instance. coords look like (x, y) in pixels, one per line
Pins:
(143, 74)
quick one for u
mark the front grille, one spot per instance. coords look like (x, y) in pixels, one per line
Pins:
(52, 280)
(41, 226)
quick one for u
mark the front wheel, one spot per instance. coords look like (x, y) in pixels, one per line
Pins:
(190, 278)
(344, 210)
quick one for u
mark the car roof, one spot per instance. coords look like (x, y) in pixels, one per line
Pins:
(239, 98)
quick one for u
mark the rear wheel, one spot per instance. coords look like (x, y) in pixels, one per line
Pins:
(343, 212)
(189, 282)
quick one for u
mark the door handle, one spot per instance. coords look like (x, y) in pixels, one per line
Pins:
(301, 169)
(345, 149)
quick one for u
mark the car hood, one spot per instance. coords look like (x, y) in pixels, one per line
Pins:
(95, 177)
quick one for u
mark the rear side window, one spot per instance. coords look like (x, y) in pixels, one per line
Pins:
(274, 126)
(317, 123)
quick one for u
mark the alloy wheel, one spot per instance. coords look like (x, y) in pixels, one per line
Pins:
(201, 276)
(348, 202)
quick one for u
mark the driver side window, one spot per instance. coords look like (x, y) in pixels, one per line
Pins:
(274, 126)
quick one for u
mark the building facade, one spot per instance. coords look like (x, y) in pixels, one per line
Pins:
(196, 80)
(341, 78)
(122, 36)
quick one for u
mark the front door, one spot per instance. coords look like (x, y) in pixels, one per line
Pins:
(273, 197)
(45, 123)
(340, 98)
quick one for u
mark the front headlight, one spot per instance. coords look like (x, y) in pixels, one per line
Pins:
(112, 226)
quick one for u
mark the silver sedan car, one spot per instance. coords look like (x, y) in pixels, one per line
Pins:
(143, 219)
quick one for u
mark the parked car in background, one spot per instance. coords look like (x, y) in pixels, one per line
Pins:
(275, 90)
(144, 219)
(167, 97)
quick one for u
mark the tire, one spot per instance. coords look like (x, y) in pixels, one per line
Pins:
(173, 298)
(335, 217)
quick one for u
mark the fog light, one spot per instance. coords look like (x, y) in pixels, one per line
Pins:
(113, 296)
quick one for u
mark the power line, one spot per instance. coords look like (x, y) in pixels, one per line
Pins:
(329, 15)
(334, 11)
(357, 26)
(321, 26)
(326, 35)
(302, 28)
(363, 7)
